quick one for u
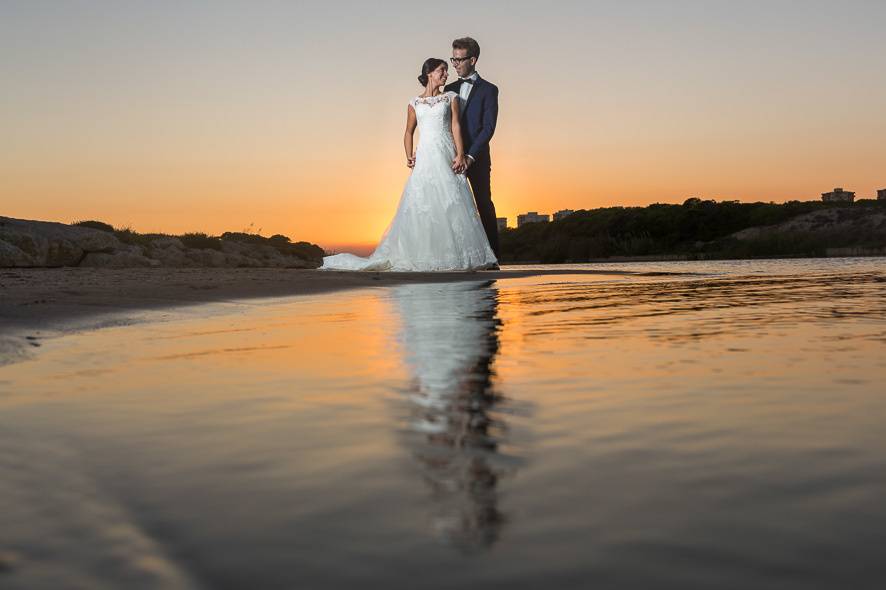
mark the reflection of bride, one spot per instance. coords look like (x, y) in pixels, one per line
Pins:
(449, 339)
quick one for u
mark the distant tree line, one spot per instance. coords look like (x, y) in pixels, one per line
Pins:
(696, 229)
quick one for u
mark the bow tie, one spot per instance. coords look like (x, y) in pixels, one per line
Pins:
(467, 80)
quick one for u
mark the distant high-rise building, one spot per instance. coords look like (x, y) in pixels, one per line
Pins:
(502, 223)
(838, 195)
(562, 213)
(881, 194)
(532, 217)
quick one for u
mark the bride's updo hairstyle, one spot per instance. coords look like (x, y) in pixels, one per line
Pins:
(431, 64)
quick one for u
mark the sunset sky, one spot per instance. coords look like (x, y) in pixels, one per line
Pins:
(287, 115)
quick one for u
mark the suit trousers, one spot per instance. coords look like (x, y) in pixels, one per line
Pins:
(479, 176)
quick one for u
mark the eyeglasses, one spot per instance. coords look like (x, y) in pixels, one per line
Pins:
(457, 60)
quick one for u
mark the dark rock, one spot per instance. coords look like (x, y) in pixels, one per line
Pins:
(121, 259)
(13, 256)
(207, 257)
(51, 244)
(167, 242)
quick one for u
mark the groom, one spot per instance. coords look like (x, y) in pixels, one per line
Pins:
(478, 100)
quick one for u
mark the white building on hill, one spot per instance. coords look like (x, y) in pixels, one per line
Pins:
(532, 217)
(838, 195)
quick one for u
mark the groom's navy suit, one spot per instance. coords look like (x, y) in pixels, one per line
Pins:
(478, 118)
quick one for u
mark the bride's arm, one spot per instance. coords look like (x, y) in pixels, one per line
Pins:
(407, 137)
(458, 164)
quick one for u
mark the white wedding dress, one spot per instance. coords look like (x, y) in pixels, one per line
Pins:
(437, 226)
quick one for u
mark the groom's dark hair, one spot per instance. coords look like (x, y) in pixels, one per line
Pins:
(471, 45)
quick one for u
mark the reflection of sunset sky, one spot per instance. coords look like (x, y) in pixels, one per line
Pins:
(214, 116)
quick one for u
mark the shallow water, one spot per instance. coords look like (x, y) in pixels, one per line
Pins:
(722, 428)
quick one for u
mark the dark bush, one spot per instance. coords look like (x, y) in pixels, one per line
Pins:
(243, 237)
(200, 240)
(279, 242)
(92, 224)
(307, 251)
(129, 236)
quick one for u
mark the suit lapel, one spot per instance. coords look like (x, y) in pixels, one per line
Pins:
(477, 83)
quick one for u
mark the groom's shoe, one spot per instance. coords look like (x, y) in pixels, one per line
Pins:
(494, 267)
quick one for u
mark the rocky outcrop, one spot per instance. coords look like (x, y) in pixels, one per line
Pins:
(42, 243)
(25, 243)
(13, 256)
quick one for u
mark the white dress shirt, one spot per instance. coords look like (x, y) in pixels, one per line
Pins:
(464, 91)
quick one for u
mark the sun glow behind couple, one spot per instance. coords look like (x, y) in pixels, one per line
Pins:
(446, 218)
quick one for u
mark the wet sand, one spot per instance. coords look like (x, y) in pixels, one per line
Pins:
(36, 303)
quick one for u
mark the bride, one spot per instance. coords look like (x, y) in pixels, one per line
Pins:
(437, 226)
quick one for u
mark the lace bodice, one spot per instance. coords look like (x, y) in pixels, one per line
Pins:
(446, 97)
(434, 117)
(434, 113)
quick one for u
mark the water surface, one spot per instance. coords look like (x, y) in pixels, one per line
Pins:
(721, 428)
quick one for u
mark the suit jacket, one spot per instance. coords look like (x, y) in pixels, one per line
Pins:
(478, 117)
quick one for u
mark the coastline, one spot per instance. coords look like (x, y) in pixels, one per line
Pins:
(38, 303)
(829, 253)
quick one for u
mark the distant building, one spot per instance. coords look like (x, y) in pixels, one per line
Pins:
(532, 217)
(502, 223)
(838, 196)
(562, 213)
(881, 194)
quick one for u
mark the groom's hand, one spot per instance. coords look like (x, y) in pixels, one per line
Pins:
(459, 164)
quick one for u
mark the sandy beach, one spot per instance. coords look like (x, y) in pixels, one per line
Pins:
(39, 303)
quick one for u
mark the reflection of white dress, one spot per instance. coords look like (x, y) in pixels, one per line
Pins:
(456, 427)
(437, 226)
(445, 333)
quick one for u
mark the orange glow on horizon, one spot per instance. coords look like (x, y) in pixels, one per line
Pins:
(208, 132)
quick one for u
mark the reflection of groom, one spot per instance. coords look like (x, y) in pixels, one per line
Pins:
(478, 100)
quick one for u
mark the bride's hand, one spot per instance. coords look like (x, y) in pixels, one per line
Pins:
(459, 165)
(410, 162)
